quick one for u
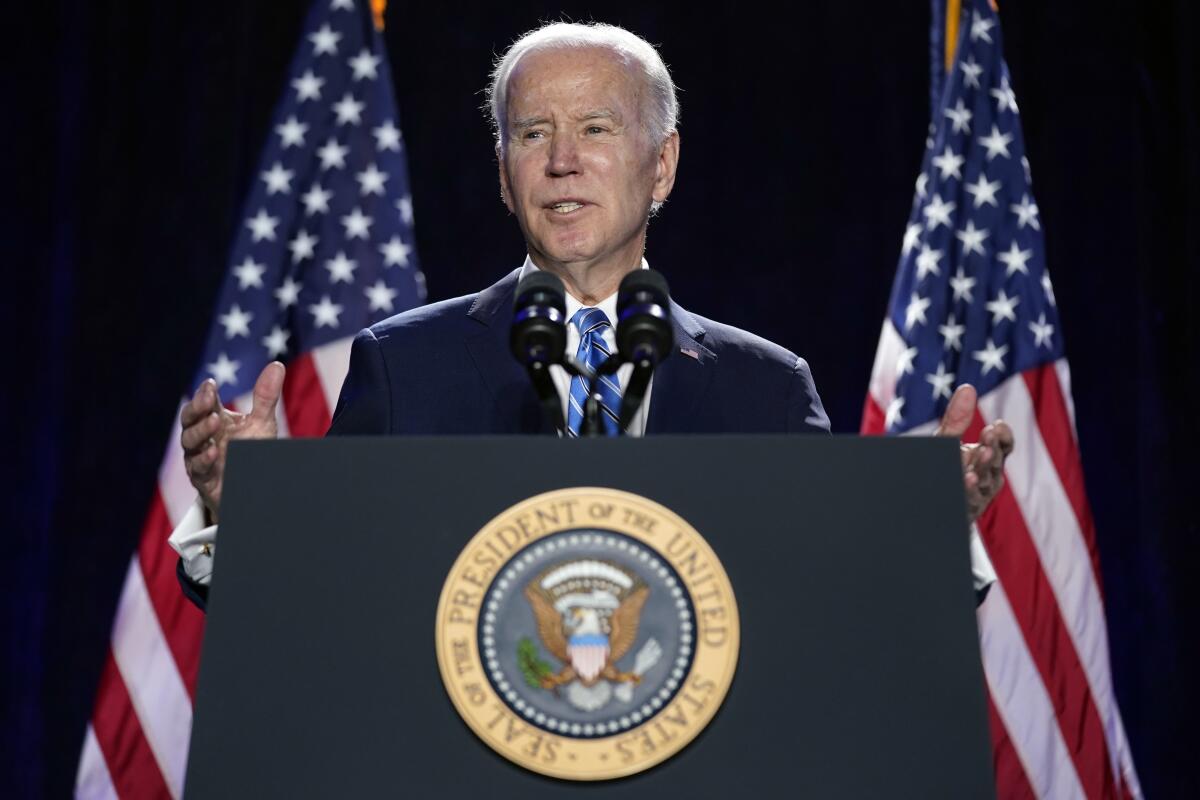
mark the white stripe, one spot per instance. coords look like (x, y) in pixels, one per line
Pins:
(332, 362)
(1064, 381)
(155, 688)
(1056, 534)
(177, 491)
(93, 782)
(883, 373)
(1022, 702)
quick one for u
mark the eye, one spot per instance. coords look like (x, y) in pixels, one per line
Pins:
(533, 134)
(595, 129)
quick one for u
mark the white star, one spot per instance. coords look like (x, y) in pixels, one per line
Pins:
(380, 296)
(962, 286)
(937, 212)
(348, 110)
(344, 5)
(894, 416)
(915, 312)
(316, 200)
(980, 27)
(1015, 259)
(288, 293)
(324, 40)
(387, 137)
(249, 273)
(959, 117)
(278, 179)
(302, 246)
(370, 181)
(1002, 307)
(276, 342)
(262, 226)
(1027, 212)
(332, 154)
(404, 206)
(1005, 99)
(365, 65)
(395, 252)
(291, 133)
(996, 143)
(942, 381)
(223, 370)
(904, 364)
(325, 313)
(951, 334)
(912, 236)
(922, 185)
(1042, 331)
(983, 191)
(236, 322)
(927, 262)
(972, 239)
(1048, 288)
(341, 268)
(991, 357)
(308, 87)
(971, 72)
(949, 164)
(357, 224)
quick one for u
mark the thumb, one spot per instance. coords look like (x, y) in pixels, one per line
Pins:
(960, 411)
(267, 389)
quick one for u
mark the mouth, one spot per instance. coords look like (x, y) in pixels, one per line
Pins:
(565, 207)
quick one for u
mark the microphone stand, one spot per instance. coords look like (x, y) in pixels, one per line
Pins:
(592, 426)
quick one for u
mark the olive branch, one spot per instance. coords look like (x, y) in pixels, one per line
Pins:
(533, 668)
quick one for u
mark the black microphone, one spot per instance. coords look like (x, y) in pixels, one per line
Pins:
(538, 337)
(644, 335)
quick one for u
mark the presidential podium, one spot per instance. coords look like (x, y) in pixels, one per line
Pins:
(518, 617)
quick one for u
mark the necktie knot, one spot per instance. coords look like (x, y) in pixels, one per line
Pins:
(588, 319)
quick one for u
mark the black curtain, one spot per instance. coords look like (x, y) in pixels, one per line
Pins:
(130, 133)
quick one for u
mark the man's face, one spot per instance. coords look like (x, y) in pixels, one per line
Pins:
(578, 169)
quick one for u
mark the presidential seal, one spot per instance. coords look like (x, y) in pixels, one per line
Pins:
(587, 634)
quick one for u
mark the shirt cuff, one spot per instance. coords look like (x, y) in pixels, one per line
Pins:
(196, 544)
(982, 571)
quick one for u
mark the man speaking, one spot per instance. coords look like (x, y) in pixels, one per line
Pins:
(585, 123)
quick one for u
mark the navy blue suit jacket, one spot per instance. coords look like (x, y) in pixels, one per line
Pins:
(446, 368)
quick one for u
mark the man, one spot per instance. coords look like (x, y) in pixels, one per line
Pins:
(586, 141)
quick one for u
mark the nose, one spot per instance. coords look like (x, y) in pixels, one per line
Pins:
(563, 156)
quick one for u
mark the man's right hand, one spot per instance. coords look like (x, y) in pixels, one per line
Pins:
(208, 427)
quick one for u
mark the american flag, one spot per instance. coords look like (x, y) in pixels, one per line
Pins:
(973, 303)
(324, 247)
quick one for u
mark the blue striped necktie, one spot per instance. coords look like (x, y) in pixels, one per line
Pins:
(591, 324)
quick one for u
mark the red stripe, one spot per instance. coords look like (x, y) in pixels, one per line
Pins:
(304, 398)
(181, 622)
(1011, 781)
(1036, 610)
(131, 764)
(872, 418)
(1054, 422)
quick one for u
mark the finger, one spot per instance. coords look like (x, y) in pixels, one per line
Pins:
(267, 389)
(200, 466)
(959, 412)
(1004, 436)
(197, 435)
(202, 402)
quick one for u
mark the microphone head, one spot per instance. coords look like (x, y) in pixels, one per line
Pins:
(644, 317)
(539, 329)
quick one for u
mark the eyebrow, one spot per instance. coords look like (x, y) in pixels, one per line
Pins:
(525, 123)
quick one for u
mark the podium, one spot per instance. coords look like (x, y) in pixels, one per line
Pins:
(857, 659)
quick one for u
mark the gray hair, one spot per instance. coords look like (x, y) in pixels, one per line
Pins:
(663, 107)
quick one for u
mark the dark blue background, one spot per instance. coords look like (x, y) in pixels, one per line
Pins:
(130, 133)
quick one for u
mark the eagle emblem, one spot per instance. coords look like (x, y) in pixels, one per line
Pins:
(587, 614)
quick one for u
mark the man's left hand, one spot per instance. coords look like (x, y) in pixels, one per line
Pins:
(983, 462)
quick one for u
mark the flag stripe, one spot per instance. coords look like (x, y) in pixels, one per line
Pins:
(130, 762)
(332, 362)
(304, 399)
(93, 781)
(1006, 764)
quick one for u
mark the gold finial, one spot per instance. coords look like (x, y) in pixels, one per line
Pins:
(377, 9)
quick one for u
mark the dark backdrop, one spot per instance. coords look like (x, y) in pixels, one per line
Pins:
(130, 132)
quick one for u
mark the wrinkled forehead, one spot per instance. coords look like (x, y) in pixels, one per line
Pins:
(576, 79)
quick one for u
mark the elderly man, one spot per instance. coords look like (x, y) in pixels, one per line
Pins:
(586, 140)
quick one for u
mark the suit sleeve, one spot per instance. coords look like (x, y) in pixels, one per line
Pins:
(805, 412)
(364, 407)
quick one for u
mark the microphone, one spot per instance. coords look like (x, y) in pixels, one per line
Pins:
(538, 337)
(644, 336)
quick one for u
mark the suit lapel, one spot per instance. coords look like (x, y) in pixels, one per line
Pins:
(682, 379)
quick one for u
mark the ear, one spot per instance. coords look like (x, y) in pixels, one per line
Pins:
(505, 189)
(664, 171)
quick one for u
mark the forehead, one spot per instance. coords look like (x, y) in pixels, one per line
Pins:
(573, 79)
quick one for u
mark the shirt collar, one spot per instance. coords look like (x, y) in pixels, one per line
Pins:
(608, 305)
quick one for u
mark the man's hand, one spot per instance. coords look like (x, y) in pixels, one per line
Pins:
(983, 462)
(208, 427)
